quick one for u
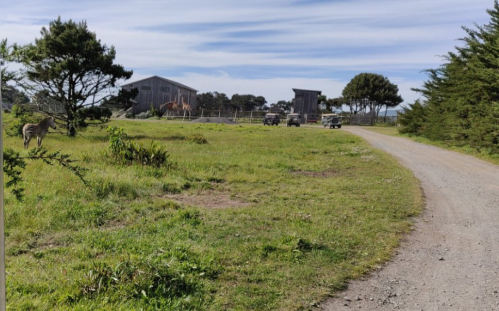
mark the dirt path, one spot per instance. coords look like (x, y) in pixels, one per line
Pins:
(451, 260)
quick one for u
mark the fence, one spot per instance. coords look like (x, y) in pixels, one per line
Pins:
(236, 116)
(368, 120)
(257, 116)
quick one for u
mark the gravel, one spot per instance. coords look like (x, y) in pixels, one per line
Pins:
(451, 259)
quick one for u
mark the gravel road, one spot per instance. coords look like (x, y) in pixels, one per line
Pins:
(451, 260)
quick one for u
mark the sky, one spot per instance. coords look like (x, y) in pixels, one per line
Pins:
(261, 47)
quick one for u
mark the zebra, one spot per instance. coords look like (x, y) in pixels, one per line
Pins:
(39, 130)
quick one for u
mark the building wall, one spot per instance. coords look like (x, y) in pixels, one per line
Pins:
(157, 91)
(305, 103)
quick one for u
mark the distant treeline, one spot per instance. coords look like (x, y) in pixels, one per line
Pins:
(461, 98)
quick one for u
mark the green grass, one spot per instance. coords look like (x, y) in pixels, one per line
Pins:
(463, 148)
(320, 207)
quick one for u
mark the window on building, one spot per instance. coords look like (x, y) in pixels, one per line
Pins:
(146, 88)
(165, 89)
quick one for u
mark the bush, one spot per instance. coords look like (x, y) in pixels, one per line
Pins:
(130, 152)
(413, 119)
(17, 110)
(16, 127)
(198, 139)
(96, 113)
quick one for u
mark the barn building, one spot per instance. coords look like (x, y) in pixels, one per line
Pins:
(306, 104)
(157, 91)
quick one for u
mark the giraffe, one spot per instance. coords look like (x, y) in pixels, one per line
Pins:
(171, 106)
(186, 107)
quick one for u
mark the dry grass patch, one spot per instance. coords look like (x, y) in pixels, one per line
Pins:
(208, 199)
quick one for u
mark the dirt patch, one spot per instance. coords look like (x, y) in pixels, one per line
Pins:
(208, 199)
(324, 174)
(213, 120)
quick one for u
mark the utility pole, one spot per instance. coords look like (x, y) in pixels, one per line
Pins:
(2, 228)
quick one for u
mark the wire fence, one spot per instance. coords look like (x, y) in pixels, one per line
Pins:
(236, 116)
(258, 116)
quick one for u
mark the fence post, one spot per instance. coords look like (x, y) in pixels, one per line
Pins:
(2, 222)
(251, 116)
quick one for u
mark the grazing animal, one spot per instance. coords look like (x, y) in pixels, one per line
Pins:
(39, 130)
(171, 106)
(186, 106)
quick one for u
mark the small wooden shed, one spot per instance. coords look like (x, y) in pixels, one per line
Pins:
(306, 104)
(156, 91)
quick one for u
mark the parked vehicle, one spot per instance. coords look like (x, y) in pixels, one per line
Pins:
(331, 120)
(271, 119)
(293, 119)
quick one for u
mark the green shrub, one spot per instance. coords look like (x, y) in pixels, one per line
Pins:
(198, 139)
(413, 119)
(17, 110)
(127, 152)
(16, 127)
(96, 113)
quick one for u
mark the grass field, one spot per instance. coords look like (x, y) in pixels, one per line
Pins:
(257, 218)
(464, 149)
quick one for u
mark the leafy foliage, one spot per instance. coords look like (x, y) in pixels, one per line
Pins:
(463, 94)
(17, 110)
(22, 116)
(283, 105)
(96, 113)
(247, 102)
(123, 100)
(12, 167)
(14, 164)
(369, 92)
(213, 101)
(412, 119)
(8, 53)
(68, 65)
(127, 152)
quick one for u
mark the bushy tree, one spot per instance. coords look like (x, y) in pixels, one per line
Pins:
(413, 118)
(9, 54)
(284, 105)
(213, 101)
(463, 94)
(123, 100)
(206, 100)
(330, 104)
(247, 102)
(69, 65)
(369, 92)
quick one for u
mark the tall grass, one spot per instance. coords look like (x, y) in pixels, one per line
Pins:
(320, 207)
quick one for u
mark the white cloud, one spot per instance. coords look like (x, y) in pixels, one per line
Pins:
(195, 38)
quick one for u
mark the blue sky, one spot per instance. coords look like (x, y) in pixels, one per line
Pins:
(263, 47)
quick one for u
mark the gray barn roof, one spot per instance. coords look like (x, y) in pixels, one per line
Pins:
(320, 92)
(167, 80)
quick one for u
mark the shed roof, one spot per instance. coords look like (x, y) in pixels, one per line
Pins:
(164, 79)
(320, 92)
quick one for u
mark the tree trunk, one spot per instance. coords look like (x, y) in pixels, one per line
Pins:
(71, 121)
